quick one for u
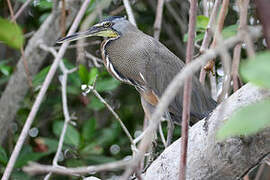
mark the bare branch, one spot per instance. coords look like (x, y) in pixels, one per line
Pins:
(187, 89)
(21, 9)
(92, 88)
(212, 21)
(210, 158)
(35, 168)
(158, 20)
(63, 82)
(243, 8)
(129, 12)
(41, 94)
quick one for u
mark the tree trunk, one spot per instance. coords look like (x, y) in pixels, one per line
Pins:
(209, 159)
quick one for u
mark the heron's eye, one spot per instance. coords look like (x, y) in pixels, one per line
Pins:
(107, 24)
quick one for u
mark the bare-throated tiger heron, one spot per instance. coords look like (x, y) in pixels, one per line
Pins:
(138, 59)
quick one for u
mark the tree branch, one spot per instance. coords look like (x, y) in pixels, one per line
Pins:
(129, 12)
(41, 94)
(187, 90)
(211, 159)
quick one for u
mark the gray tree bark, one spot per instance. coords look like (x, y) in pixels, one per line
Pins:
(17, 87)
(209, 159)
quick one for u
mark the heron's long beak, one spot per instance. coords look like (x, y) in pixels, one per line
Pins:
(90, 32)
(93, 31)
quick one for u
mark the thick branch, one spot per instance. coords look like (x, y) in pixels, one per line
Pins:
(213, 160)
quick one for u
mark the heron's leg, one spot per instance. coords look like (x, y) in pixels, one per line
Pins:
(170, 127)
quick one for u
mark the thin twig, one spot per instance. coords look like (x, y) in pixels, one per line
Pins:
(63, 81)
(21, 10)
(208, 35)
(243, 8)
(129, 12)
(162, 137)
(226, 62)
(217, 30)
(35, 168)
(158, 20)
(176, 17)
(96, 61)
(115, 115)
(212, 21)
(41, 94)
(187, 90)
(29, 79)
(63, 18)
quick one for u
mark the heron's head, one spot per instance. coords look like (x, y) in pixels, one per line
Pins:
(110, 27)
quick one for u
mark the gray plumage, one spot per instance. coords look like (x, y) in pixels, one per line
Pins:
(150, 66)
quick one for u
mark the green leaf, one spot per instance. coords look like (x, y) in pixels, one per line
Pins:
(88, 129)
(6, 70)
(92, 75)
(248, 120)
(27, 155)
(95, 104)
(72, 136)
(92, 148)
(44, 5)
(229, 31)
(257, 69)
(3, 156)
(202, 22)
(11, 34)
(199, 36)
(108, 84)
(83, 74)
(40, 77)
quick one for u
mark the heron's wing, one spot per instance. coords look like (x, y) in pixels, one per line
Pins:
(160, 69)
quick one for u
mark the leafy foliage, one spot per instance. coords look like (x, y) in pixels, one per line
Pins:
(11, 34)
(257, 69)
(255, 117)
(247, 121)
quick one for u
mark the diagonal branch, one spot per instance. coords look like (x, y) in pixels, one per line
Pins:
(41, 94)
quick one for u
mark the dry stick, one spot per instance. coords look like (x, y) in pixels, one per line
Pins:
(63, 18)
(176, 17)
(158, 20)
(157, 29)
(21, 10)
(218, 30)
(29, 79)
(169, 94)
(212, 21)
(115, 115)
(41, 94)
(35, 168)
(226, 62)
(63, 82)
(243, 8)
(96, 61)
(129, 12)
(187, 89)
(208, 35)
